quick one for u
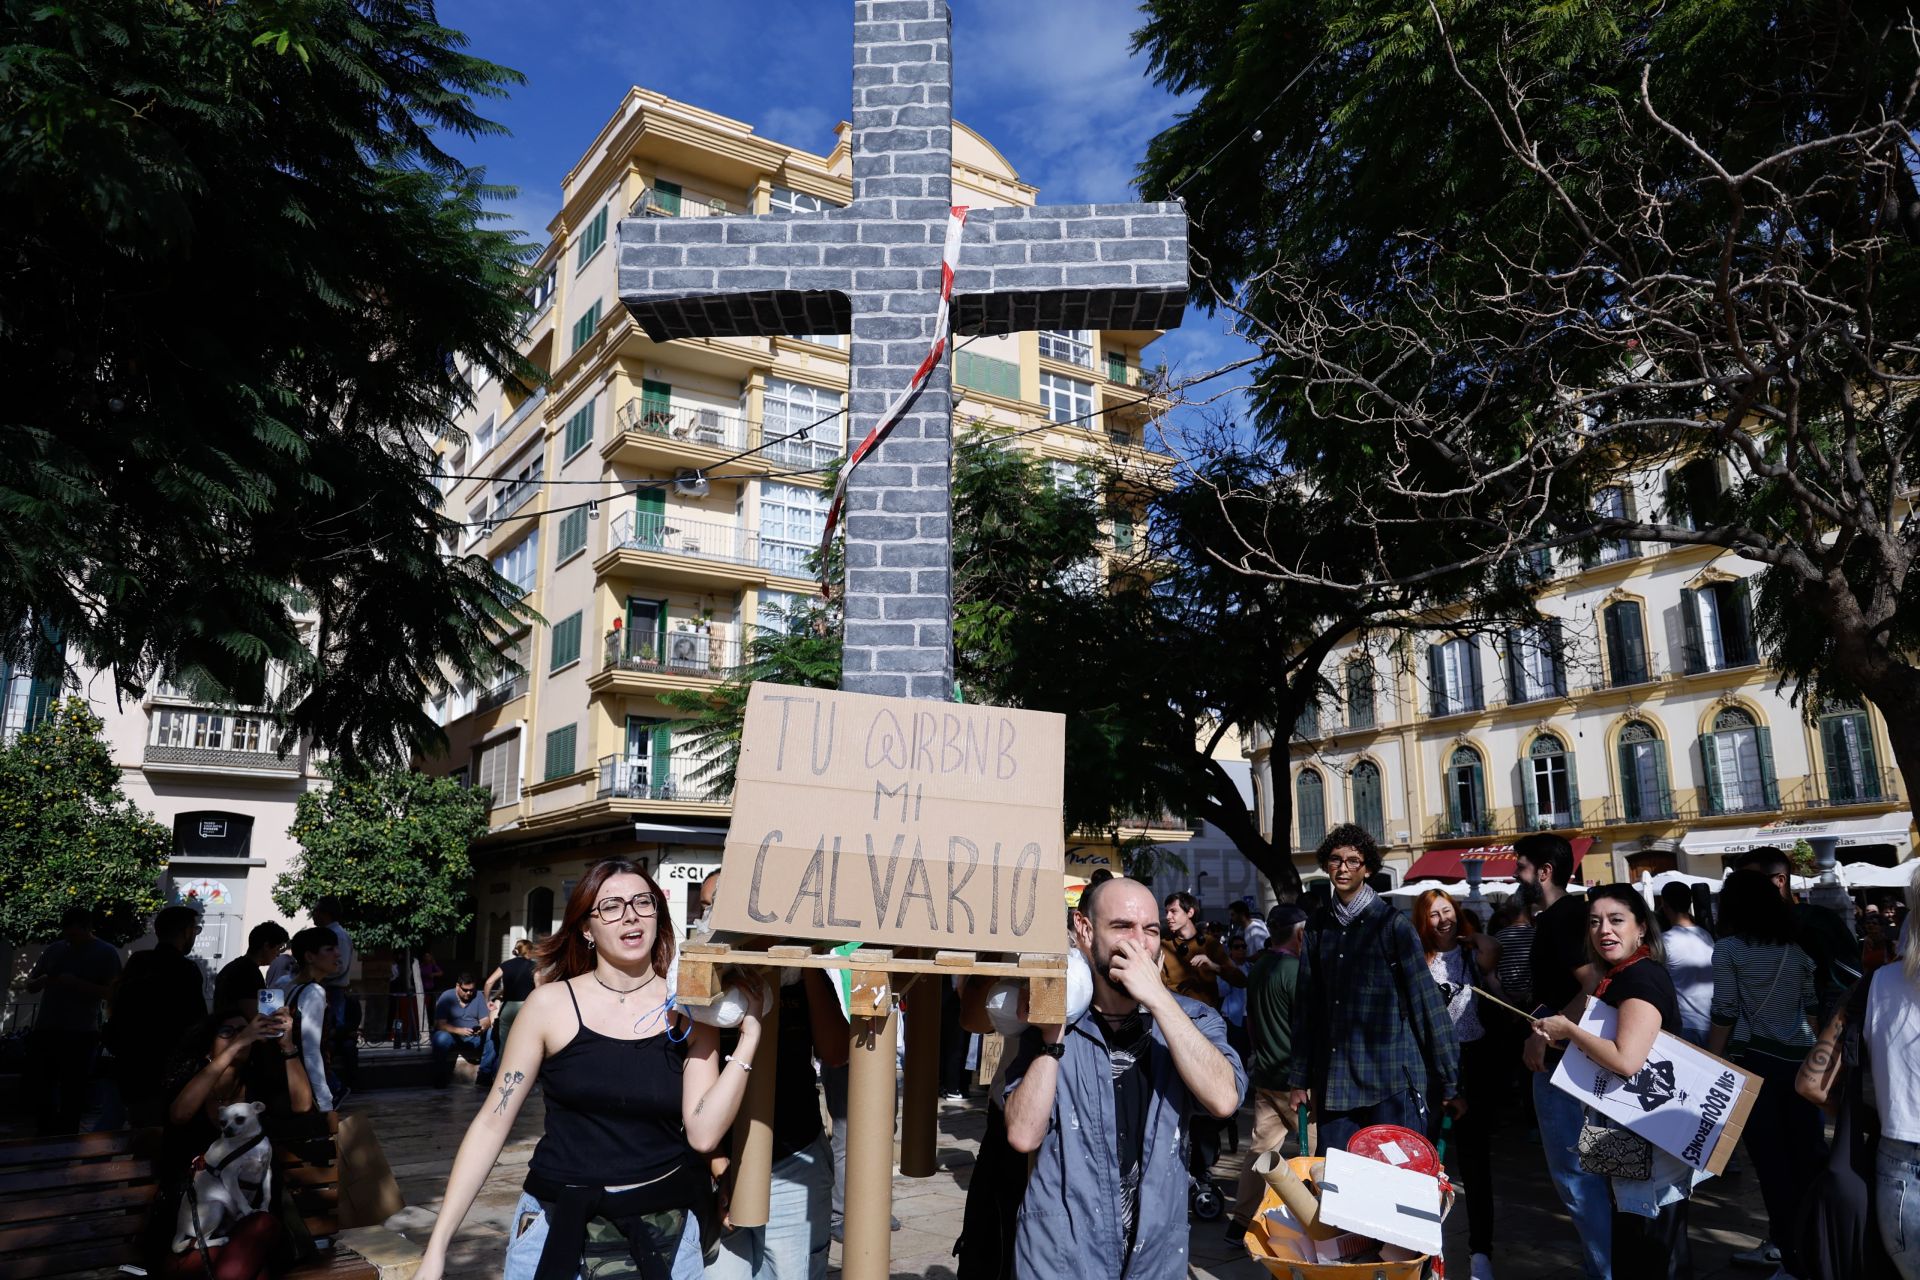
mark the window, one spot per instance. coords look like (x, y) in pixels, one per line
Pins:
(834, 340)
(583, 327)
(1306, 725)
(1453, 676)
(1534, 666)
(561, 745)
(1466, 794)
(1553, 801)
(1736, 758)
(1846, 740)
(1067, 400)
(1693, 494)
(497, 769)
(1368, 811)
(566, 641)
(985, 373)
(1360, 694)
(1626, 644)
(591, 239)
(793, 519)
(1116, 366)
(484, 437)
(781, 612)
(1070, 478)
(169, 726)
(540, 297)
(1717, 623)
(1310, 808)
(246, 733)
(540, 912)
(1611, 503)
(786, 200)
(579, 431)
(1074, 346)
(518, 563)
(572, 537)
(806, 417)
(520, 486)
(208, 730)
(1645, 793)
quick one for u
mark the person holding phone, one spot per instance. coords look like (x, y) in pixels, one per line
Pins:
(633, 1091)
(317, 953)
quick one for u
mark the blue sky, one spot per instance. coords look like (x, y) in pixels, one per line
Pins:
(1052, 83)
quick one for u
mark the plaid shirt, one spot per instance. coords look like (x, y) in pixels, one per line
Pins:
(1356, 1042)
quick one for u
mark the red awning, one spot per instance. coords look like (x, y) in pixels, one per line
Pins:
(1496, 861)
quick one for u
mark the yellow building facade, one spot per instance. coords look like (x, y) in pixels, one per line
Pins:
(703, 462)
(1641, 721)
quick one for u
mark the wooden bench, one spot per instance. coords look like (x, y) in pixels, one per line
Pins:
(79, 1204)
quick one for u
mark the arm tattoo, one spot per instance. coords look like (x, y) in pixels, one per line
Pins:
(1819, 1059)
(701, 1105)
(509, 1081)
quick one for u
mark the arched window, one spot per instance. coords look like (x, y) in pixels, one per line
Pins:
(1466, 794)
(539, 912)
(1736, 762)
(1646, 795)
(1846, 740)
(1553, 798)
(1368, 811)
(1310, 808)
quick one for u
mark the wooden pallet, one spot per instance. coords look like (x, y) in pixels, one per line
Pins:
(879, 973)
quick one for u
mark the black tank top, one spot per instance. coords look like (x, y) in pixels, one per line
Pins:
(613, 1109)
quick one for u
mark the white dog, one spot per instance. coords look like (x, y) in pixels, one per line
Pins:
(229, 1182)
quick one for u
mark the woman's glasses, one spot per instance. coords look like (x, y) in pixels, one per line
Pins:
(614, 910)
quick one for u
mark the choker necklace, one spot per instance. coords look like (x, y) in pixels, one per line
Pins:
(617, 991)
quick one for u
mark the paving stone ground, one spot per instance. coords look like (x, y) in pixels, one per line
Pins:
(421, 1128)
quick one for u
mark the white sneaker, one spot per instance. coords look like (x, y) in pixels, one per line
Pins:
(1482, 1268)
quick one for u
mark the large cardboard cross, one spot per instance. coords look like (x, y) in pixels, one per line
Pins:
(873, 268)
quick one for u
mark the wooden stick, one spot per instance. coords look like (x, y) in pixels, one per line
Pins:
(1488, 995)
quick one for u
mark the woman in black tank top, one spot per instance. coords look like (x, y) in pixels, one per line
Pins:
(634, 1092)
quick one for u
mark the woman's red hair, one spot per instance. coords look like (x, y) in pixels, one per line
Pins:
(564, 953)
(1423, 920)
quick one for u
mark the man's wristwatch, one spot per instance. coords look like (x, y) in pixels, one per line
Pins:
(1055, 1051)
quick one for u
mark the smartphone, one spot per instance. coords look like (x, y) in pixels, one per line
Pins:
(272, 1001)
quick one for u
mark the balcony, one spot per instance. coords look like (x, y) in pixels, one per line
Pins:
(666, 545)
(1651, 671)
(656, 435)
(1881, 787)
(501, 694)
(634, 663)
(161, 758)
(654, 203)
(1615, 812)
(660, 776)
(1447, 829)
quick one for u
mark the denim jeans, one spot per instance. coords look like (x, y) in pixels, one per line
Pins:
(445, 1046)
(1897, 1175)
(1585, 1195)
(793, 1244)
(527, 1238)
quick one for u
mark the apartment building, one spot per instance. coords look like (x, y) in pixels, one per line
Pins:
(208, 773)
(1640, 720)
(658, 502)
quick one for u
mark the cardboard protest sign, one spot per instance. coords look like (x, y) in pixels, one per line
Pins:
(1684, 1101)
(1083, 862)
(893, 822)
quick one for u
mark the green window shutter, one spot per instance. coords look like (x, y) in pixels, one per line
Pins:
(1769, 783)
(1869, 763)
(1451, 779)
(1662, 779)
(41, 695)
(583, 327)
(1116, 366)
(656, 406)
(1694, 656)
(1710, 766)
(1436, 683)
(1632, 803)
(1476, 694)
(1833, 745)
(573, 533)
(660, 775)
(1737, 610)
(985, 373)
(1122, 533)
(666, 196)
(561, 745)
(591, 239)
(1530, 791)
(1573, 789)
(566, 641)
(579, 433)
(1477, 777)
(650, 517)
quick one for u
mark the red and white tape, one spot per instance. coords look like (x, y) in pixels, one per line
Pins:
(949, 255)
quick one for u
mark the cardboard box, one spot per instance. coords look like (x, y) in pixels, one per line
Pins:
(1685, 1101)
(896, 823)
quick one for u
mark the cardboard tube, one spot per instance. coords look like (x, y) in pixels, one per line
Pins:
(1299, 1198)
(920, 1101)
(869, 1198)
(753, 1127)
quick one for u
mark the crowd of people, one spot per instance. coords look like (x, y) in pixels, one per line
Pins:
(1323, 1017)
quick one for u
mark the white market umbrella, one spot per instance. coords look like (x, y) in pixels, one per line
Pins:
(1864, 875)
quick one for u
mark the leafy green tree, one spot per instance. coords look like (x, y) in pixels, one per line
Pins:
(391, 846)
(1499, 254)
(70, 837)
(243, 270)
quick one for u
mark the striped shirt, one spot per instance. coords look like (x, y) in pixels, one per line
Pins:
(1764, 991)
(1516, 964)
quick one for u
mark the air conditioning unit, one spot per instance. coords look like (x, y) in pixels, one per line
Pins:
(688, 650)
(630, 415)
(690, 483)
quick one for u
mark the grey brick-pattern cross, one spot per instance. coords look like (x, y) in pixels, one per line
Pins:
(873, 268)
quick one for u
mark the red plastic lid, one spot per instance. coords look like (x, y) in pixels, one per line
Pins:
(1391, 1144)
